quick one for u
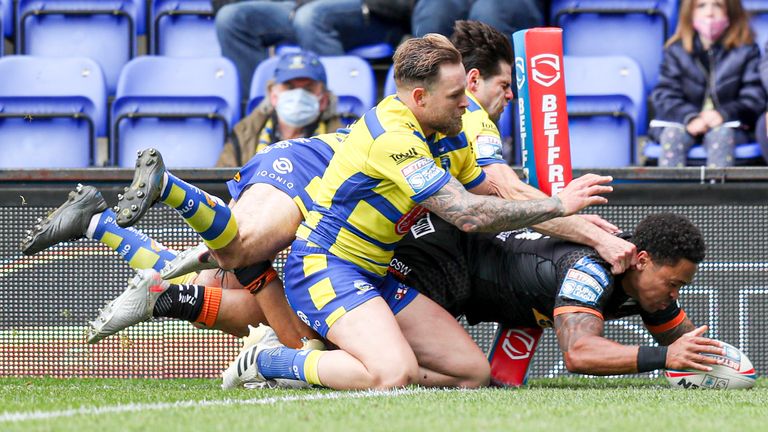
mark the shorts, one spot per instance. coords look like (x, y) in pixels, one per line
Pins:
(287, 165)
(322, 287)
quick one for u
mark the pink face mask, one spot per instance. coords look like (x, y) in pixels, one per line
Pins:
(711, 28)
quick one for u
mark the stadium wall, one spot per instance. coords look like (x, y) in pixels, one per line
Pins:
(46, 299)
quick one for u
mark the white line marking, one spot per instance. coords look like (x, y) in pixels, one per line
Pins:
(133, 407)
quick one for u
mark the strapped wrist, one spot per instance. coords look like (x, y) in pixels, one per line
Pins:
(651, 358)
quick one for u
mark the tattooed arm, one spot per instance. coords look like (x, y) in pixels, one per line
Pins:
(685, 345)
(471, 212)
(586, 351)
(666, 338)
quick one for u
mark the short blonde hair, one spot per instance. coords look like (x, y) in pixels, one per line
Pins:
(417, 61)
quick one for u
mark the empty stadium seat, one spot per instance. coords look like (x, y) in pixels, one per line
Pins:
(51, 111)
(605, 105)
(635, 28)
(104, 30)
(6, 20)
(389, 84)
(350, 78)
(185, 107)
(758, 9)
(184, 28)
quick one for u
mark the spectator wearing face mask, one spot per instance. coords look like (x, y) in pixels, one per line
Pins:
(709, 89)
(298, 105)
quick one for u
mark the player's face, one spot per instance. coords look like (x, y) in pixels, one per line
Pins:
(495, 92)
(445, 102)
(659, 285)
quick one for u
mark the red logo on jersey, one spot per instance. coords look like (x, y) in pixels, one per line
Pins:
(407, 220)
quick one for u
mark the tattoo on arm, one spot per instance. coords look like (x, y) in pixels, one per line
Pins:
(471, 212)
(666, 338)
(570, 327)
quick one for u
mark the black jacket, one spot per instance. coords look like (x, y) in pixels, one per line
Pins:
(730, 76)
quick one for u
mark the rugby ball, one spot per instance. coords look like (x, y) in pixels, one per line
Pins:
(735, 372)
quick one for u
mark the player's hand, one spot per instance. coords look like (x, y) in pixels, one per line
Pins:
(697, 127)
(600, 223)
(583, 192)
(686, 352)
(619, 253)
(712, 118)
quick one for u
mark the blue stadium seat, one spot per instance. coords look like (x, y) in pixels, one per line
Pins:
(6, 20)
(104, 30)
(184, 28)
(605, 105)
(51, 111)
(389, 84)
(185, 107)
(635, 28)
(759, 11)
(350, 78)
(373, 52)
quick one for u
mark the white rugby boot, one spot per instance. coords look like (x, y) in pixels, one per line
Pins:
(189, 260)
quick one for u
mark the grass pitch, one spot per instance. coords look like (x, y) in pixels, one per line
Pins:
(566, 404)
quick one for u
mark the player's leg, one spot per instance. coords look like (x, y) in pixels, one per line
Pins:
(86, 214)
(447, 355)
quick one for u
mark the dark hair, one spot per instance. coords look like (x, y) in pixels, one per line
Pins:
(738, 33)
(482, 47)
(669, 237)
(418, 60)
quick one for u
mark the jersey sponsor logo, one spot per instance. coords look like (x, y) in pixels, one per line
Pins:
(399, 268)
(282, 165)
(407, 220)
(402, 290)
(542, 320)
(529, 235)
(237, 177)
(402, 157)
(423, 226)
(489, 146)
(589, 266)
(303, 317)
(421, 174)
(276, 177)
(504, 235)
(545, 69)
(581, 287)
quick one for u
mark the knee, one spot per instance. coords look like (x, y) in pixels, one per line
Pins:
(477, 375)
(305, 19)
(226, 18)
(396, 374)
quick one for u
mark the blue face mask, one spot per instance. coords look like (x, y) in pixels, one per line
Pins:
(297, 107)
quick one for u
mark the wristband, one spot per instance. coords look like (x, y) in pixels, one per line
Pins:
(651, 358)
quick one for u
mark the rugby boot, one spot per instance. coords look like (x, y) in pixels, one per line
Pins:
(189, 260)
(244, 371)
(145, 190)
(133, 306)
(68, 222)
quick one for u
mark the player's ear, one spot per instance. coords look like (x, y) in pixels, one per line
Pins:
(419, 94)
(473, 79)
(643, 260)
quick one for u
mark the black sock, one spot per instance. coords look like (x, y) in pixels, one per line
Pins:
(180, 301)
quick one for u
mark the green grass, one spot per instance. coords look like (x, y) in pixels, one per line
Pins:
(563, 404)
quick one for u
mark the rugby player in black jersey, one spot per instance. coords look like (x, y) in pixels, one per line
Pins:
(524, 279)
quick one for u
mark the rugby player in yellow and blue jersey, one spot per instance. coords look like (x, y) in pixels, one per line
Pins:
(367, 199)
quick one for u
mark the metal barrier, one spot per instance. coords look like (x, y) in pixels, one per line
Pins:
(46, 299)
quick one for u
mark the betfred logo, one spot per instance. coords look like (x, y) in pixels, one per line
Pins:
(545, 69)
(518, 344)
(520, 75)
(407, 220)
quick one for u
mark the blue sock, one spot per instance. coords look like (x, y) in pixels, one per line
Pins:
(137, 248)
(282, 362)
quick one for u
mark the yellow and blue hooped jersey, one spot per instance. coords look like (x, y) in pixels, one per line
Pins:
(368, 197)
(482, 133)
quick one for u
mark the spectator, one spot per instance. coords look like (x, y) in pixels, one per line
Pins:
(438, 16)
(709, 83)
(298, 105)
(332, 27)
(246, 30)
(761, 130)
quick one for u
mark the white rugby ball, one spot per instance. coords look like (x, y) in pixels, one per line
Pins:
(735, 372)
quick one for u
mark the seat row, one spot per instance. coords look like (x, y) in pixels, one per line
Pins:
(52, 110)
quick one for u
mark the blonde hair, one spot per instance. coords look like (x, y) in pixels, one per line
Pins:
(737, 34)
(417, 61)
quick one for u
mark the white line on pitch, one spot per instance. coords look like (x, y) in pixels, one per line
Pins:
(133, 407)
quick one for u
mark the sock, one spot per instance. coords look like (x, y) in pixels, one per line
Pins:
(193, 303)
(208, 215)
(135, 247)
(289, 363)
(256, 276)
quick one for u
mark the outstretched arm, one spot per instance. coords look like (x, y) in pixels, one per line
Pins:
(587, 351)
(471, 212)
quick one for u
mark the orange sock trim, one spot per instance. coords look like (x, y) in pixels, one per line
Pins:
(210, 310)
(265, 278)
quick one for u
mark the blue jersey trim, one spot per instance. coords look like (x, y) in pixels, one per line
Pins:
(434, 187)
(476, 181)
(473, 106)
(373, 124)
(489, 161)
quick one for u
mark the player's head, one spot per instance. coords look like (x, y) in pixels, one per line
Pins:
(723, 21)
(487, 57)
(669, 249)
(430, 80)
